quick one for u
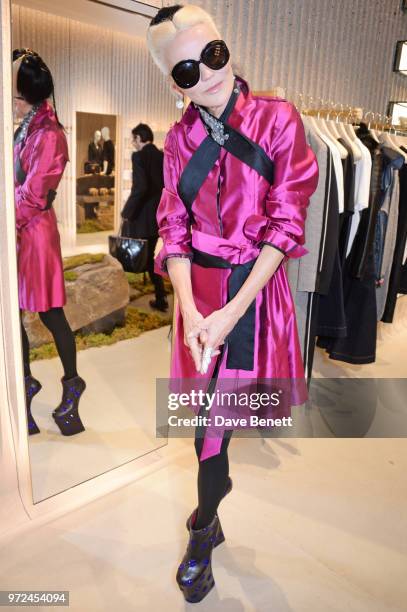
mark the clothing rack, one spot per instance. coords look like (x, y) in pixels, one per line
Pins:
(353, 116)
(329, 110)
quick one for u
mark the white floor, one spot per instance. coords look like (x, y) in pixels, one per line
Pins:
(118, 410)
(311, 525)
(93, 242)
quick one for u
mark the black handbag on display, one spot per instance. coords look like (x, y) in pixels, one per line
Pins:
(91, 167)
(131, 252)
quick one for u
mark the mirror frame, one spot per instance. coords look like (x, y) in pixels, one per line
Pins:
(18, 512)
(118, 171)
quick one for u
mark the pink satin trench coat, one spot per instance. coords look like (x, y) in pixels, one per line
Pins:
(250, 213)
(43, 156)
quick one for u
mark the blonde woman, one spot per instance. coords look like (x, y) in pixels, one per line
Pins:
(238, 175)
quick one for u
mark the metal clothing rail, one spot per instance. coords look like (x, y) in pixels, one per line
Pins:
(328, 109)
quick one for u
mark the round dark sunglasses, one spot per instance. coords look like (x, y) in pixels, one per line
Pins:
(215, 55)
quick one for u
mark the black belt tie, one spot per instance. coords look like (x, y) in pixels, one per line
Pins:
(240, 340)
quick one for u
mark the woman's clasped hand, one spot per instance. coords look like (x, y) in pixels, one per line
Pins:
(204, 335)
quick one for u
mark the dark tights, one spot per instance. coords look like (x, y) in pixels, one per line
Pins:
(55, 320)
(212, 472)
(212, 479)
(156, 279)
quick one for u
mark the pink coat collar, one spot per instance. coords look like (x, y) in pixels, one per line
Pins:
(194, 127)
(44, 115)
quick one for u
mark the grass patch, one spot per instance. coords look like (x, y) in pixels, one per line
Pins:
(83, 258)
(89, 226)
(137, 322)
(70, 275)
(136, 281)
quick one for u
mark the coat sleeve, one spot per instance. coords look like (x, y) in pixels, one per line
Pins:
(135, 201)
(172, 216)
(295, 180)
(46, 165)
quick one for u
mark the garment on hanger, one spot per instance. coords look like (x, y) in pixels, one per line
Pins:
(358, 344)
(305, 274)
(345, 219)
(330, 318)
(386, 227)
(368, 218)
(337, 162)
(395, 277)
(363, 171)
(357, 250)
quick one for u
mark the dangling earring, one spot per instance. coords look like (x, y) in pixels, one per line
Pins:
(179, 103)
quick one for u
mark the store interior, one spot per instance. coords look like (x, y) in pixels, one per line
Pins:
(316, 518)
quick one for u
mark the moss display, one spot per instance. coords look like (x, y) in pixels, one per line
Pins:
(83, 258)
(70, 275)
(136, 281)
(89, 226)
(137, 322)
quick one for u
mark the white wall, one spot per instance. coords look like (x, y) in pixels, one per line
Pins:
(12, 512)
(95, 70)
(340, 50)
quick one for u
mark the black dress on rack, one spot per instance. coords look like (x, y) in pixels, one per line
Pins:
(359, 279)
(331, 319)
(398, 273)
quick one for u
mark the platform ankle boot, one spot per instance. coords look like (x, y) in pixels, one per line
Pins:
(66, 415)
(194, 575)
(192, 517)
(32, 387)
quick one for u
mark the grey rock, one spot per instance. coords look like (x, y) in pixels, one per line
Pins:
(96, 301)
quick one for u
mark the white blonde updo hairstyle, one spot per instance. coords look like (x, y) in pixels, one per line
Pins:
(163, 32)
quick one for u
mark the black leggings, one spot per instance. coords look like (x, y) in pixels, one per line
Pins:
(156, 279)
(55, 320)
(213, 476)
(213, 472)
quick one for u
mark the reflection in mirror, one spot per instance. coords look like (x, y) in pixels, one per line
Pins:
(400, 58)
(398, 113)
(93, 343)
(95, 173)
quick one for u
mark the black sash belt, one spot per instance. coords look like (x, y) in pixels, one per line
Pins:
(240, 340)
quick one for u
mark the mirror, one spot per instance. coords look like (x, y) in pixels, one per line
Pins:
(93, 343)
(95, 172)
(398, 113)
(400, 60)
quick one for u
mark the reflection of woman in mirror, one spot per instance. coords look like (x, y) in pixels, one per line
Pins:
(228, 220)
(40, 156)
